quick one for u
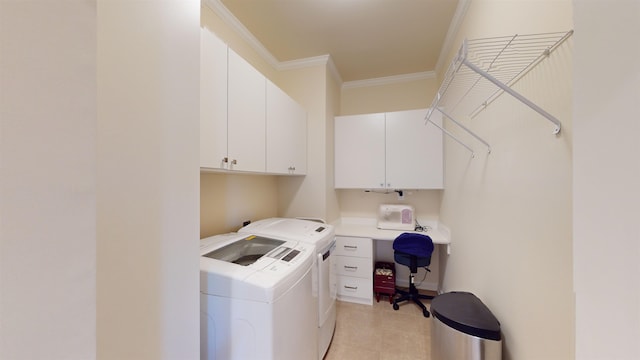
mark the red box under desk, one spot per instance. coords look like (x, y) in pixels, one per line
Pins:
(384, 280)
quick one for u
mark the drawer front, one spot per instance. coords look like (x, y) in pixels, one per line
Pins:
(352, 287)
(353, 246)
(354, 266)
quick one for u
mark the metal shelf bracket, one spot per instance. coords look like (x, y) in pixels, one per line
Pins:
(489, 63)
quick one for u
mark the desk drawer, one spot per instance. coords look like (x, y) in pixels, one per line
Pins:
(352, 288)
(354, 246)
(354, 266)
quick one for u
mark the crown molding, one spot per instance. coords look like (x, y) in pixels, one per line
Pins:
(303, 63)
(312, 61)
(241, 30)
(389, 80)
(454, 27)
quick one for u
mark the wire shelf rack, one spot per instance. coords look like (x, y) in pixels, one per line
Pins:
(483, 69)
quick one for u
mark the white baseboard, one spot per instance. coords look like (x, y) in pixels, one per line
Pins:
(425, 285)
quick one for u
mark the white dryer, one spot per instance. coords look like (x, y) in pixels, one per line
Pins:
(322, 237)
(256, 298)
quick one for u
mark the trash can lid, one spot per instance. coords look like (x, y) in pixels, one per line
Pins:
(464, 312)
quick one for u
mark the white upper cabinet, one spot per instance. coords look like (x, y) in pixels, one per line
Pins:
(414, 158)
(286, 133)
(393, 150)
(359, 152)
(246, 122)
(213, 101)
(246, 144)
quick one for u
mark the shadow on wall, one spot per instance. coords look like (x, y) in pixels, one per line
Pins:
(226, 200)
(292, 201)
(361, 204)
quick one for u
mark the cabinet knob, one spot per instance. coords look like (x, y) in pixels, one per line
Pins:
(234, 162)
(225, 160)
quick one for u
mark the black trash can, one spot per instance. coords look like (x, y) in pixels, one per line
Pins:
(463, 328)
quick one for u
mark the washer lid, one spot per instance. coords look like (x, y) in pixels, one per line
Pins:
(248, 250)
(310, 232)
(464, 312)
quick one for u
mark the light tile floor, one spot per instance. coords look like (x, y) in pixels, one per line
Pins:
(380, 333)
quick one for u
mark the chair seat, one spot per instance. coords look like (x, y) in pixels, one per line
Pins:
(405, 259)
(414, 244)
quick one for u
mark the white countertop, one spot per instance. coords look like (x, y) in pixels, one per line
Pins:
(365, 227)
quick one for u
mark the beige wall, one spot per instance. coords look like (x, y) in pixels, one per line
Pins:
(99, 183)
(363, 98)
(226, 201)
(361, 204)
(147, 179)
(606, 177)
(304, 196)
(510, 212)
(334, 102)
(47, 180)
(317, 89)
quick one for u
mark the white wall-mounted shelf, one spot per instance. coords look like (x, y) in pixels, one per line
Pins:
(484, 69)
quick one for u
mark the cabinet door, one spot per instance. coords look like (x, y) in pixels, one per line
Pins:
(414, 151)
(286, 133)
(359, 152)
(246, 116)
(213, 101)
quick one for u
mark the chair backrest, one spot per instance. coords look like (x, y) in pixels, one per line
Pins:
(418, 245)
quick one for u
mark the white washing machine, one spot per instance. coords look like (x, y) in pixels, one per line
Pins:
(322, 237)
(256, 298)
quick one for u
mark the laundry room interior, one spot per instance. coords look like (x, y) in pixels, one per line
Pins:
(485, 202)
(533, 209)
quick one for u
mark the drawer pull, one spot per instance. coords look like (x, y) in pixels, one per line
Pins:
(351, 287)
(351, 247)
(354, 268)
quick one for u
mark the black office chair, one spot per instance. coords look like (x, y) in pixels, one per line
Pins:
(412, 250)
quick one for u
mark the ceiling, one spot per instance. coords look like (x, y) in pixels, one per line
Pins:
(366, 39)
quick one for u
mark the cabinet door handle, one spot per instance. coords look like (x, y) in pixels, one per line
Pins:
(350, 247)
(348, 267)
(351, 287)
